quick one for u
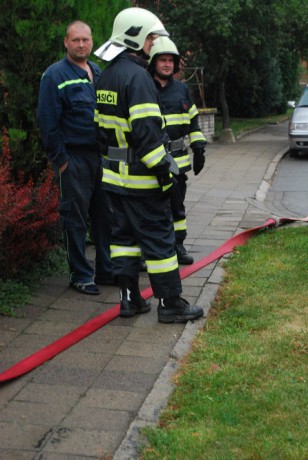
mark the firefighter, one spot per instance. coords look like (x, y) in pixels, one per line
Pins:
(181, 117)
(136, 173)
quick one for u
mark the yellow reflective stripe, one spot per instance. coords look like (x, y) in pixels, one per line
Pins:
(182, 161)
(122, 179)
(120, 125)
(111, 121)
(193, 111)
(177, 119)
(180, 225)
(123, 169)
(196, 136)
(154, 157)
(162, 266)
(73, 82)
(121, 138)
(144, 111)
(125, 251)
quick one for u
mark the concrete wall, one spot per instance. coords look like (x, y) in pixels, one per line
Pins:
(207, 123)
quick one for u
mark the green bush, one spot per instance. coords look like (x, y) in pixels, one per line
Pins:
(29, 219)
(255, 87)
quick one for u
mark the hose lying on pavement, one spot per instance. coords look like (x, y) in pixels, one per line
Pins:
(50, 351)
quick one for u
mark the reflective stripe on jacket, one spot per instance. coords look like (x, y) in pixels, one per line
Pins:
(65, 108)
(181, 116)
(128, 115)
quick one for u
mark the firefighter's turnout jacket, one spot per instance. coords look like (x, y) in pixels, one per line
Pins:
(181, 117)
(129, 130)
(128, 118)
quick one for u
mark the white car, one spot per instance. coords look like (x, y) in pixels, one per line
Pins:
(298, 125)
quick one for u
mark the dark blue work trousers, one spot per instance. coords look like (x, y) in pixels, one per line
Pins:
(82, 198)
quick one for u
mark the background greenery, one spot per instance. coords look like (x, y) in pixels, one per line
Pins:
(31, 39)
(250, 50)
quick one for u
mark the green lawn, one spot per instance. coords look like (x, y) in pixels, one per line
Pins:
(241, 126)
(242, 392)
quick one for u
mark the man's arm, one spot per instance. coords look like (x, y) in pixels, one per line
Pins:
(49, 118)
(197, 139)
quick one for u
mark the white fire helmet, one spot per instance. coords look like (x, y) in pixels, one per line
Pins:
(130, 29)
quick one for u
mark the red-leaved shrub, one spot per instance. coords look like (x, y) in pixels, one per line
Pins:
(29, 219)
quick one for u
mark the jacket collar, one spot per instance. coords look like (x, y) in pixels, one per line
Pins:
(82, 73)
(132, 57)
(162, 88)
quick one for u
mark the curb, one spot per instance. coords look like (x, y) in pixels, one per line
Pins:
(254, 130)
(157, 399)
(264, 187)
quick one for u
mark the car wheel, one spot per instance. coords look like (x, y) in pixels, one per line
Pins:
(294, 153)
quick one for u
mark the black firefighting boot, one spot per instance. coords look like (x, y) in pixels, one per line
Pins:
(131, 301)
(177, 310)
(183, 257)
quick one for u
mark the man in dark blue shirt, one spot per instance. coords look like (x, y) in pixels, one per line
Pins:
(66, 119)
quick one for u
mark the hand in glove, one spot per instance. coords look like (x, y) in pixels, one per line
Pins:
(198, 159)
(165, 180)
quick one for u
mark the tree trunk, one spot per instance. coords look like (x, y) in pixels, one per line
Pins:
(226, 135)
(223, 105)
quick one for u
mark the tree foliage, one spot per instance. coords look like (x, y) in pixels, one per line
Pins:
(243, 45)
(32, 34)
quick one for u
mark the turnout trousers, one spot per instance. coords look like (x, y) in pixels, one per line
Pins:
(144, 224)
(81, 199)
(178, 195)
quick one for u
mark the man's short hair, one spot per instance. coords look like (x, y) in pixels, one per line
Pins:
(77, 21)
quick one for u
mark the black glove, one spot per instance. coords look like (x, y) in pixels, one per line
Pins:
(198, 160)
(166, 181)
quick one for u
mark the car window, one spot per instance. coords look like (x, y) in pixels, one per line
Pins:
(303, 101)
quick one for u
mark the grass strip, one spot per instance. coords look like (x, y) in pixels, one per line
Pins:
(241, 126)
(242, 392)
(16, 293)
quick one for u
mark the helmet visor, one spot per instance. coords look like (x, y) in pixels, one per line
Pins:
(109, 51)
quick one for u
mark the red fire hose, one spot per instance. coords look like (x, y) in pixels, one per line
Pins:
(48, 352)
